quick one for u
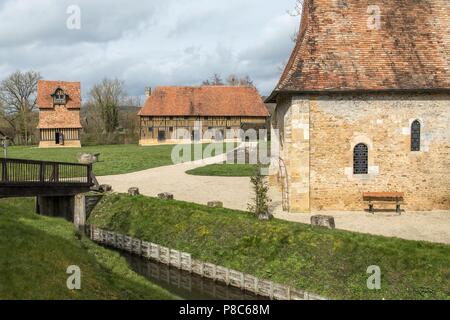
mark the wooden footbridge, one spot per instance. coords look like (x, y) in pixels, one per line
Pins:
(53, 183)
(25, 178)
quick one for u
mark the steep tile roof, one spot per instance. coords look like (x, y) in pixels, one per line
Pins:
(204, 101)
(47, 88)
(341, 48)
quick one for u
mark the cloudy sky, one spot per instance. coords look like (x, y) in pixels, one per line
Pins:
(147, 43)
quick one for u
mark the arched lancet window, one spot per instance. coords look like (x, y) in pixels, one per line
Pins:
(59, 97)
(361, 159)
(415, 136)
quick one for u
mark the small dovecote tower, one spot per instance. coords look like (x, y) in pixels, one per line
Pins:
(59, 114)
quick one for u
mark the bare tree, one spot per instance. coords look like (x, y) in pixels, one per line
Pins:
(233, 80)
(18, 101)
(216, 80)
(104, 101)
(246, 81)
(297, 11)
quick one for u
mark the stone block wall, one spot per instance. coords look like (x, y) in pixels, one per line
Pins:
(319, 132)
(292, 121)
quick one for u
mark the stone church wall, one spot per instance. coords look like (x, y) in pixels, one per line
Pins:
(319, 133)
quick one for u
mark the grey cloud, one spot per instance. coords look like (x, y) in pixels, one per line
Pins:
(148, 43)
(46, 21)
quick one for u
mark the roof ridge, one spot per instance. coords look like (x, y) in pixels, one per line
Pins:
(200, 100)
(201, 86)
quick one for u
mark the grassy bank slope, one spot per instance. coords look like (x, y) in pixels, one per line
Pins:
(114, 159)
(330, 263)
(36, 251)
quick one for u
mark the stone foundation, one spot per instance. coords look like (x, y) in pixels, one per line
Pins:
(153, 142)
(67, 144)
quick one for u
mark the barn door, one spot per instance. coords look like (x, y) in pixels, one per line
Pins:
(161, 135)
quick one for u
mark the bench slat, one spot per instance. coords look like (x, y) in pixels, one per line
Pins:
(386, 196)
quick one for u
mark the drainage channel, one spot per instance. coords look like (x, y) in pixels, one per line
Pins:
(183, 284)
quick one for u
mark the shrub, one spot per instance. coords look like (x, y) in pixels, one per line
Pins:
(261, 202)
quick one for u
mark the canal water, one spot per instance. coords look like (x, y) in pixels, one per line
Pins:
(183, 284)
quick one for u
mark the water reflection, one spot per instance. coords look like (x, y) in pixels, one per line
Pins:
(185, 285)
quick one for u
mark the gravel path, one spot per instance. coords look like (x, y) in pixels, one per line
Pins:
(432, 226)
(236, 192)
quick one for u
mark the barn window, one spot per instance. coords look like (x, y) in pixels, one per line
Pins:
(415, 136)
(59, 97)
(361, 159)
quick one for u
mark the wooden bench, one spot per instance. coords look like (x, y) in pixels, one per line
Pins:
(396, 197)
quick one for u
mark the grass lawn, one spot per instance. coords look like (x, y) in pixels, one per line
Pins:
(114, 159)
(331, 263)
(35, 252)
(232, 169)
(225, 170)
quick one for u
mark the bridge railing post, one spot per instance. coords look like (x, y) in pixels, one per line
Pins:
(56, 172)
(4, 170)
(89, 173)
(42, 173)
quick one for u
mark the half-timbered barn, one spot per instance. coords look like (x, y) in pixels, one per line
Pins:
(200, 114)
(59, 105)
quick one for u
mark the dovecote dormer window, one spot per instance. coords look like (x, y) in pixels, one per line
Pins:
(59, 97)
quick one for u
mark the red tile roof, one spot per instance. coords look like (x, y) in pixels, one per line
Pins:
(337, 51)
(47, 88)
(204, 101)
